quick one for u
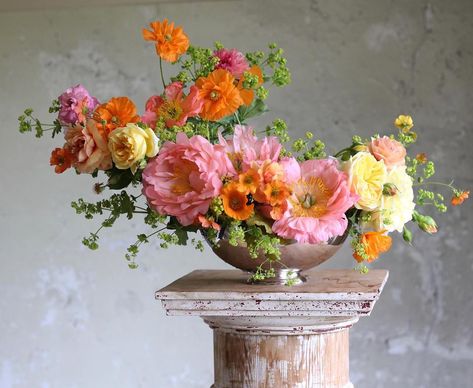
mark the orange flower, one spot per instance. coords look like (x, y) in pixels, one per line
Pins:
(207, 223)
(171, 42)
(235, 202)
(460, 197)
(116, 113)
(373, 244)
(249, 94)
(249, 180)
(276, 192)
(220, 95)
(62, 159)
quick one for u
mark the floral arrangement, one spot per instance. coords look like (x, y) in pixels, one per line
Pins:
(191, 162)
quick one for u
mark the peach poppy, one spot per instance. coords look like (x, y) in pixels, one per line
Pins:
(221, 96)
(235, 202)
(249, 94)
(249, 180)
(62, 159)
(116, 113)
(171, 42)
(460, 198)
(374, 243)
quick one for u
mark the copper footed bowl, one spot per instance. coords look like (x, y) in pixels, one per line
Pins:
(295, 258)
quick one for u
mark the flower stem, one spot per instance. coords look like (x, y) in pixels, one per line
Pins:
(449, 185)
(161, 71)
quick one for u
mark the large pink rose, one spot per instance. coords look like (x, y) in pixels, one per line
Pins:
(244, 149)
(182, 180)
(317, 206)
(389, 150)
(89, 147)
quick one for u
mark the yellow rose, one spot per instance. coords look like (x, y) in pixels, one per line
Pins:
(366, 177)
(129, 145)
(396, 206)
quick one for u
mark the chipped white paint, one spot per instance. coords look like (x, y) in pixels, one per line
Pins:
(276, 336)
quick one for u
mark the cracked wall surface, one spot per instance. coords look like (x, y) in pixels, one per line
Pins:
(70, 317)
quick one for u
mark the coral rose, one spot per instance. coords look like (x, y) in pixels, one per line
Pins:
(129, 145)
(184, 178)
(317, 205)
(88, 145)
(389, 150)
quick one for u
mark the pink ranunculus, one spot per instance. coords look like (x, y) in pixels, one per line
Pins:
(89, 148)
(389, 150)
(76, 104)
(245, 149)
(182, 180)
(317, 205)
(231, 60)
(175, 108)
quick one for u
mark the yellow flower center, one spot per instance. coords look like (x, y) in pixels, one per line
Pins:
(167, 37)
(310, 198)
(170, 110)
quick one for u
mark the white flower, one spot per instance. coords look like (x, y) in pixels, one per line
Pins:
(394, 209)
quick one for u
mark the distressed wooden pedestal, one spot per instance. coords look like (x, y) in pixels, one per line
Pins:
(277, 336)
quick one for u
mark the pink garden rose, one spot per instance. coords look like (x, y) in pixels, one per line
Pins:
(231, 60)
(182, 180)
(75, 105)
(245, 149)
(389, 150)
(89, 148)
(174, 108)
(316, 208)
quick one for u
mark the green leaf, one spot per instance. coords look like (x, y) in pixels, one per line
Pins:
(255, 109)
(120, 179)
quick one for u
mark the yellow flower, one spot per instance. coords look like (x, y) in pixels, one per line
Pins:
(404, 123)
(395, 209)
(366, 177)
(129, 145)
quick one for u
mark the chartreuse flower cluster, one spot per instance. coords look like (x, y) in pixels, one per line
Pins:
(201, 168)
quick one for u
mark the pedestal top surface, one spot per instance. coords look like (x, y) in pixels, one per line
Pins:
(321, 284)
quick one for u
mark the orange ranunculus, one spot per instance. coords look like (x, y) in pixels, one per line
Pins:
(249, 180)
(374, 243)
(235, 202)
(171, 42)
(249, 94)
(460, 198)
(116, 113)
(62, 159)
(221, 97)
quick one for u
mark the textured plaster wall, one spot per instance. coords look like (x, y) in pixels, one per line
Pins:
(72, 318)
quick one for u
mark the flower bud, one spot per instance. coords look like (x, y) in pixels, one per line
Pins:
(389, 189)
(426, 223)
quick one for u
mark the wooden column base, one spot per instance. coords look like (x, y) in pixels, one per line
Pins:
(313, 354)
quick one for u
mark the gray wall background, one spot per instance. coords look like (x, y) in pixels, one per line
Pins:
(70, 317)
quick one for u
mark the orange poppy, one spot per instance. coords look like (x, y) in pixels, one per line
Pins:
(374, 243)
(249, 94)
(249, 180)
(460, 198)
(171, 42)
(221, 97)
(235, 202)
(116, 113)
(62, 159)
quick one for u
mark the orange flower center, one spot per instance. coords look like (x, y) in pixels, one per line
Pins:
(167, 37)
(182, 173)
(310, 198)
(236, 203)
(214, 95)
